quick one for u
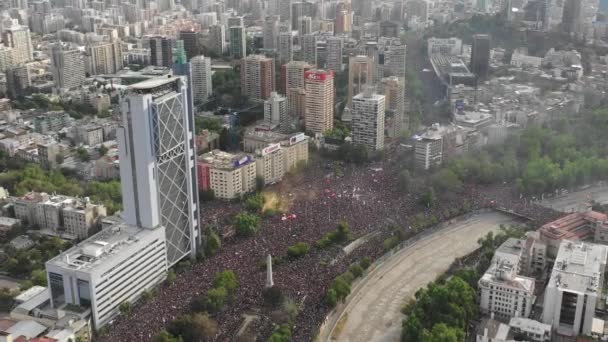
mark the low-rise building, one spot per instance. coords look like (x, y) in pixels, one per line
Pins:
(503, 291)
(575, 226)
(59, 215)
(530, 329)
(114, 266)
(228, 175)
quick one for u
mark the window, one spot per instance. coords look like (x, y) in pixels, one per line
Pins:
(84, 293)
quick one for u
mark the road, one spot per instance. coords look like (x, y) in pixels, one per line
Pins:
(372, 311)
(574, 201)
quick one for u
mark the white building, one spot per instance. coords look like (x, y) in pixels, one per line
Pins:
(157, 168)
(112, 267)
(444, 46)
(228, 175)
(18, 38)
(201, 79)
(532, 330)
(334, 54)
(368, 120)
(68, 68)
(276, 111)
(503, 292)
(575, 287)
(270, 164)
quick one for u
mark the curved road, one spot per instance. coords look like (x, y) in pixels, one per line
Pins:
(372, 311)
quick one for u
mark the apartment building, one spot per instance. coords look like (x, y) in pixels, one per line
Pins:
(228, 175)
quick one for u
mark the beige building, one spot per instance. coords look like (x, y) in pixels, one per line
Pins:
(228, 175)
(59, 215)
(89, 134)
(254, 141)
(105, 57)
(269, 163)
(319, 115)
(393, 88)
(295, 150)
(360, 73)
(82, 218)
(297, 103)
(257, 77)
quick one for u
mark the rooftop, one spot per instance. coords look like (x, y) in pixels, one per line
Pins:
(99, 248)
(529, 325)
(153, 83)
(224, 160)
(265, 136)
(578, 266)
(576, 226)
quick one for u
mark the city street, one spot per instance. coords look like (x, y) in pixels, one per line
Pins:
(372, 311)
(575, 201)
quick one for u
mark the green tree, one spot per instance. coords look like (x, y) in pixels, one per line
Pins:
(213, 301)
(83, 154)
(331, 298)
(428, 198)
(171, 277)
(7, 299)
(212, 244)
(38, 277)
(281, 333)
(165, 336)
(254, 202)
(125, 308)
(246, 224)
(102, 149)
(443, 333)
(446, 180)
(196, 327)
(297, 250)
(226, 279)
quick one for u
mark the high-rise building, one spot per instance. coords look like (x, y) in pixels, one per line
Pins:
(554, 13)
(191, 45)
(238, 42)
(227, 175)
(276, 111)
(296, 98)
(271, 32)
(292, 75)
(360, 74)
(334, 54)
(309, 48)
(157, 169)
(363, 8)
(319, 114)
(368, 119)
(18, 79)
(393, 89)
(217, 39)
(285, 10)
(201, 79)
(480, 55)
(304, 25)
(395, 61)
(165, 5)
(257, 77)
(344, 19)
(235, 21)
(161, 50)
(68, 68)
(105, 57)
(285, 47)
(6, 57)
(575, 288)
(18, 38)
(301, 9)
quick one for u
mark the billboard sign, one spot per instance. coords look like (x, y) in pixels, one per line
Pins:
(317, 76)
(296, 138)
(270, 149)
(242, 161)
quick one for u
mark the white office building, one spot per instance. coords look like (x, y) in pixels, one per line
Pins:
(276, 111)
(201, 79)
(503, 292)
(112, 267)
(368, 120)
(575, 288)
(157, 165)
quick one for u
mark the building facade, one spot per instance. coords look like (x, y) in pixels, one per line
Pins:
(257, 77)
(202, 87)
(368, 120)
(319, 112)
(157, 169)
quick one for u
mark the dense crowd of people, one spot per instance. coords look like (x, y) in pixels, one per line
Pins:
(365, 197)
